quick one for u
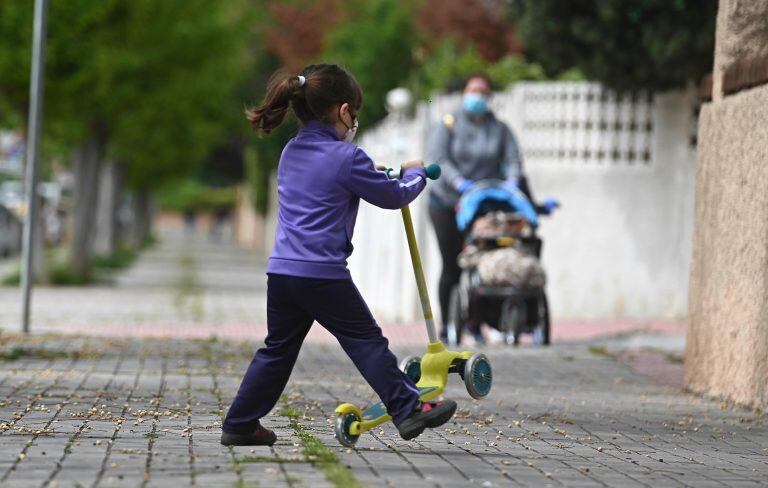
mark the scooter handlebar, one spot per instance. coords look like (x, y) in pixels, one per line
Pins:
(433, 172)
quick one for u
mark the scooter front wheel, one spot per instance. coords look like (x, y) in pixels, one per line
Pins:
(478, 376)
(341, 429)
(411, 366)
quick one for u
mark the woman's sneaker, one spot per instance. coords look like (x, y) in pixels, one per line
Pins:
(261, 436)
(426, 415)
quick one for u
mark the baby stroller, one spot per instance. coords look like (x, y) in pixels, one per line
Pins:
(502, 281)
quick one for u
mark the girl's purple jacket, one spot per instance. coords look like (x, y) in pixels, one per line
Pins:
(320, 181)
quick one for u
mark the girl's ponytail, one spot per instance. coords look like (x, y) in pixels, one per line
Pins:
(281, 90)
(313, 94)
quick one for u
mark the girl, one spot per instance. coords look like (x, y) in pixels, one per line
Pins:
(321, 178)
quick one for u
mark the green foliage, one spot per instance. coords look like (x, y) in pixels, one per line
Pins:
(445, 68)
(15, 53)
(149, 241)
(64, 274)
(376, 44)
(190, 58)
(629, 45)
(12, 279)
(155, 80)
(191, 195)
(120, 259)
(448, 65)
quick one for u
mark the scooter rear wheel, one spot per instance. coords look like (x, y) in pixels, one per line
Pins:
(341, 429)
(478, 376)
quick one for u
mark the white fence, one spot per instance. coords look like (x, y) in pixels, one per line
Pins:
(624, 171)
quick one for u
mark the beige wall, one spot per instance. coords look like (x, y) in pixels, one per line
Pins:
(727, 343)
(742, 33)
(248, 225)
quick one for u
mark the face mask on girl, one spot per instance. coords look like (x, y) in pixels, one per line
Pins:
(349, 135)
(475, 103)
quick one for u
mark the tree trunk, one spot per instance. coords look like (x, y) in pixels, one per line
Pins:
(86, 161)
(110, 189)
(39, 263)
(39, 271)
(142, 226)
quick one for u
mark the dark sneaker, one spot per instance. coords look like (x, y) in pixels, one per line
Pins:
(426, 415)
(261, 436)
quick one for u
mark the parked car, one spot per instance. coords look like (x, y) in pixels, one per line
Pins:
(12, 197)
(50, 206)
(10, 233)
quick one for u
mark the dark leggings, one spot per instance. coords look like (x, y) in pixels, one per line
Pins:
(293, 304)
(449, 240)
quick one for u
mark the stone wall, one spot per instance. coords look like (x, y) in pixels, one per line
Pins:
(727, 342)
(742, 35)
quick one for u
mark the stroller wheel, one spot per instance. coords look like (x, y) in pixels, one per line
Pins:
(411, 366)
(541, 330)
(511, 322)
(478, 377)
(456, 318)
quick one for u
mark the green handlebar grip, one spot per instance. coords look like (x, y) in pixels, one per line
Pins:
(434, 171)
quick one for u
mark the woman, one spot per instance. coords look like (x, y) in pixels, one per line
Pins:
(470, 145)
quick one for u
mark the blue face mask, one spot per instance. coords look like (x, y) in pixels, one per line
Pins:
(475, 104)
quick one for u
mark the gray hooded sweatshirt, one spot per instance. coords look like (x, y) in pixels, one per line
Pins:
(475, 150)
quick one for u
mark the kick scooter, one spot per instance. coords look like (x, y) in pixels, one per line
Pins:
(429, 372)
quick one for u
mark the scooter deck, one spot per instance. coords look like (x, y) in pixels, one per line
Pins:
(378, 410)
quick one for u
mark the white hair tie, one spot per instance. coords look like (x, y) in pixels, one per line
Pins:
(302, 80)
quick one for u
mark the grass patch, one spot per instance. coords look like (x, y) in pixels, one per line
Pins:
(675, 358)
(120, 259)
(68, 446)
(244, 484)
(23, 352)
(149, 241)
(188, 297)
(61, 273)
(290, 411)
(599, 351)
(314, 451)
(268, 459)
(12, 279)
(325, 459)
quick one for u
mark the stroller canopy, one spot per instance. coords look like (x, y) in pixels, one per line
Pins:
(498, 194)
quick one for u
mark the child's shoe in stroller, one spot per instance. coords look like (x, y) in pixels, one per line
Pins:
(260, 436)
(426, 415)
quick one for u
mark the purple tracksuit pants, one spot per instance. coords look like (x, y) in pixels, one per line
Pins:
(293, 304)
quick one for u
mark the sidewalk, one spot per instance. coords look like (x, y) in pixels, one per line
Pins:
(106, 412)
(183, 283)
